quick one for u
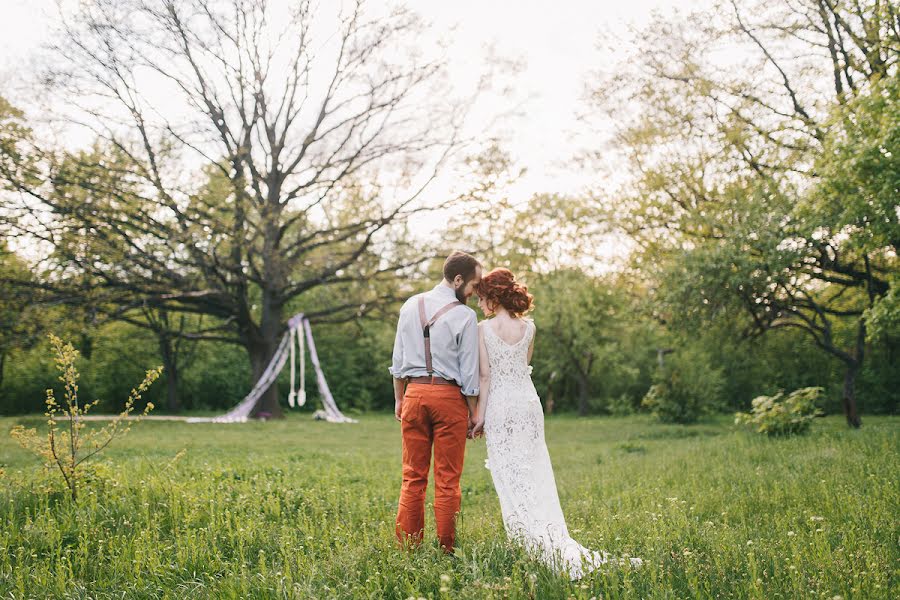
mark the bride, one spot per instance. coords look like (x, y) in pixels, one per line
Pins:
(510, 417)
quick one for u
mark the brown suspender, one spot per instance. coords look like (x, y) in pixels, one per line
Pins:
(426, 327)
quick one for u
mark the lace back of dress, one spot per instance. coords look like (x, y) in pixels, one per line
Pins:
(509, 362)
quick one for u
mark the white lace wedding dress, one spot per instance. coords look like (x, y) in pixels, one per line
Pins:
(520, 464)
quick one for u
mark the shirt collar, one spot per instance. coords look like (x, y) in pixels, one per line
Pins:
(443, 290)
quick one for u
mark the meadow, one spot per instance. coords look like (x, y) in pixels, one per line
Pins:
(304, 509)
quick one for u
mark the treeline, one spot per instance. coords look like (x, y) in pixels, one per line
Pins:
(595, 353)
(758, 196)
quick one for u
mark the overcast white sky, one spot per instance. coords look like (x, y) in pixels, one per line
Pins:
(556, 41)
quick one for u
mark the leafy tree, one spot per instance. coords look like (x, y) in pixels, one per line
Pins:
(583, 336)
(730, 204)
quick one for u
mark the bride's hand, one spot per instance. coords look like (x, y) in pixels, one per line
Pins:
(478, 428)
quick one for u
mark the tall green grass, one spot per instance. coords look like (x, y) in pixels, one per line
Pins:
(303, 509)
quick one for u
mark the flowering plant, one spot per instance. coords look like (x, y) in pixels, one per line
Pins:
(776, 415)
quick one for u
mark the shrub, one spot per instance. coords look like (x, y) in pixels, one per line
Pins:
(621, 405)
(685, 388)
(776, 415)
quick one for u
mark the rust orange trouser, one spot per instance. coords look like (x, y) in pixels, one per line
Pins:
(429, 414)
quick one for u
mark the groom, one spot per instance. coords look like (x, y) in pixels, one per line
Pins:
(435, 369)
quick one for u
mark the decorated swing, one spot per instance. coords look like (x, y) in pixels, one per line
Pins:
(298, 331)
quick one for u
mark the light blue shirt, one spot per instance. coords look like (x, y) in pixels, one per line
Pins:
(454, 341)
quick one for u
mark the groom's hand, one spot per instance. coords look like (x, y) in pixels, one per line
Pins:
(472, 404)
(399, 392)
(478, 428)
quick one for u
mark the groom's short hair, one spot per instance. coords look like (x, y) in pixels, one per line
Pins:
(460, 263)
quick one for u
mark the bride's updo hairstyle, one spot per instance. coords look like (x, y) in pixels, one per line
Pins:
(500, 288)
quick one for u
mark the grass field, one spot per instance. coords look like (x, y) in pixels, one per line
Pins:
(303, 509)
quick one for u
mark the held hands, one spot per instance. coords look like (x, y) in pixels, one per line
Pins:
(476, 418)
(476, 427)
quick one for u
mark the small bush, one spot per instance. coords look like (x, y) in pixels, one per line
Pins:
(776, 415)
(621, 405)
(686, 388)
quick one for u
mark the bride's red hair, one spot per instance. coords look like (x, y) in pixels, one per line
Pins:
(499, 287)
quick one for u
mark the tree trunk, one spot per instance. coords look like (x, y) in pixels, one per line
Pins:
(173, 402)
(584, 384)
(261, 350)
(853, 368)
(582, 395)
(849, 396)
(170, 365)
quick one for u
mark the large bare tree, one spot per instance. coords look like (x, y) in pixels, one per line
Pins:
(247, 153)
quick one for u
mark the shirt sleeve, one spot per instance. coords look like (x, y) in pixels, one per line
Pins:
(397, 356)
(468, 356)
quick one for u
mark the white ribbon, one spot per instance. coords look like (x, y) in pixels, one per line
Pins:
(293, 360)
(297, 396)
(301, 393)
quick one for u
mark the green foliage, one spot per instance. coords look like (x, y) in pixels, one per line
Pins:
(783, 359)
(787, 220)
(777, 415)
(217, 378)
(621, 405)
(859, 170)
(20, 320)
(590, 346)
(119, 355)
(883, 317)
(879, 380)
(686, 387)
(16, 139)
